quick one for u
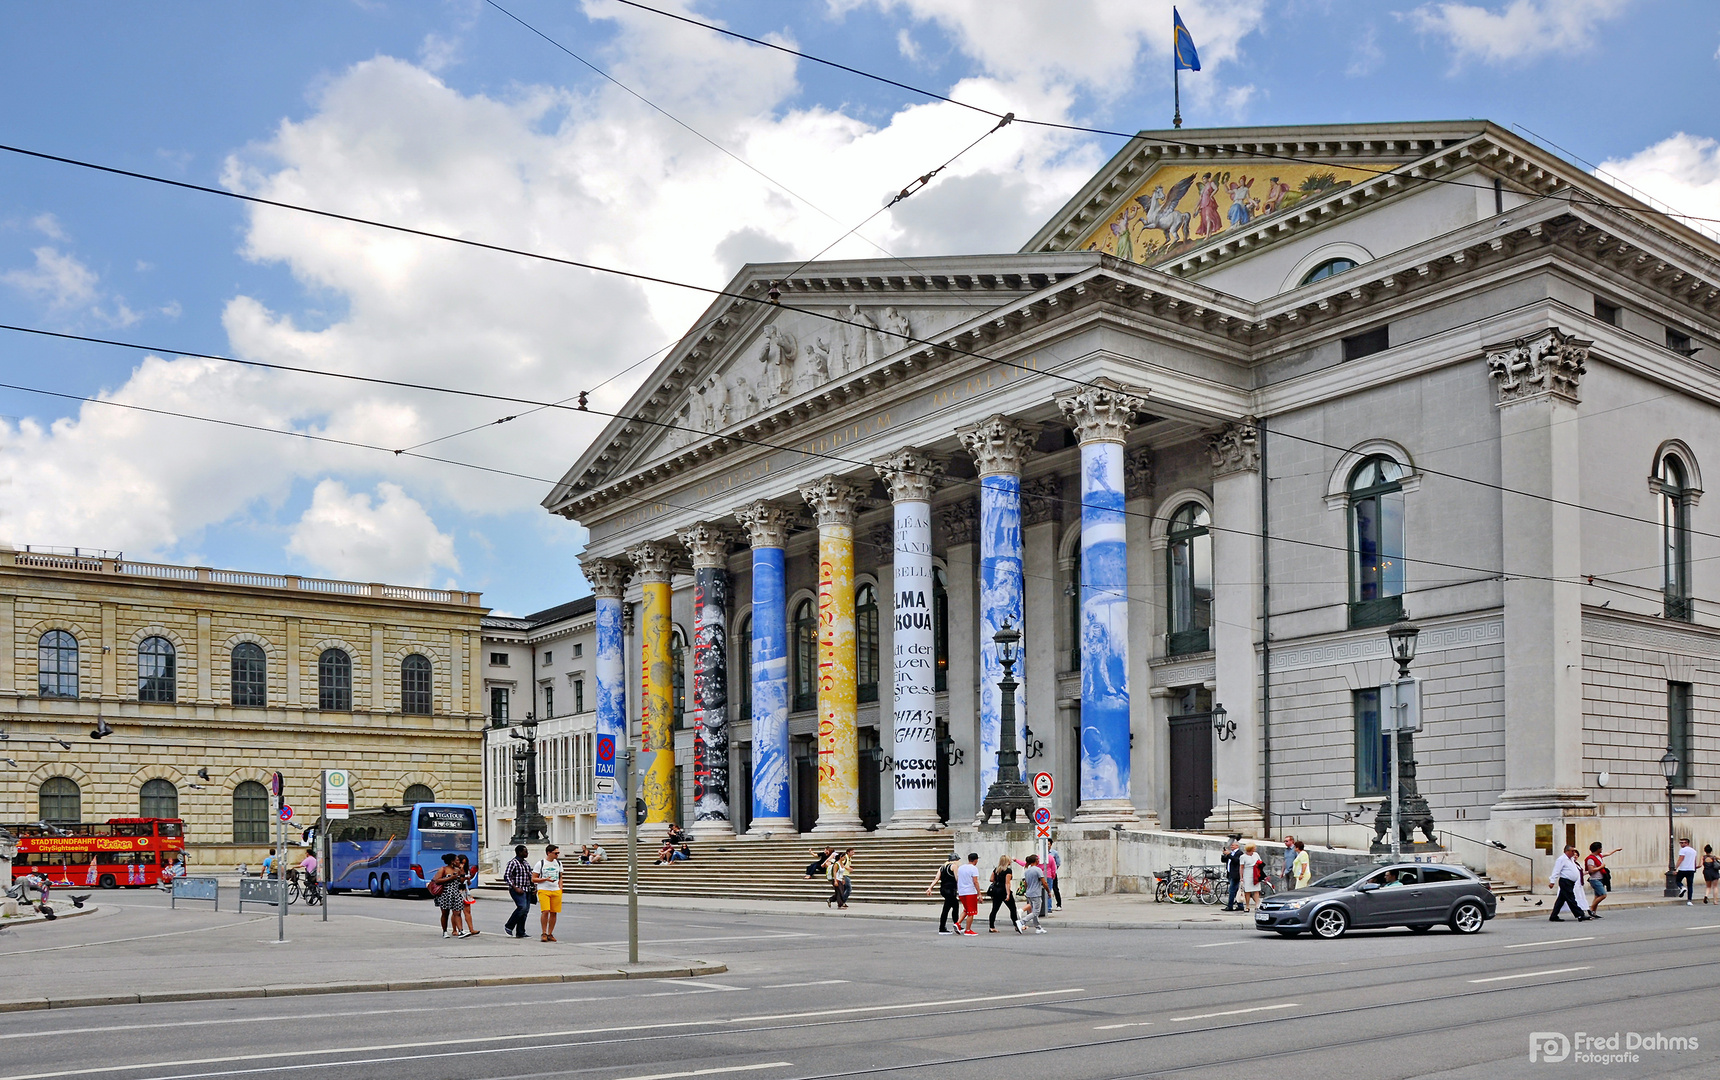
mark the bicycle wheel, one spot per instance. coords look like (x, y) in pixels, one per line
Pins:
(1161, 891)
(292, 892)
(1181, 891)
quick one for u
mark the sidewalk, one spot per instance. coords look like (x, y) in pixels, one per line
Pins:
(131, 950)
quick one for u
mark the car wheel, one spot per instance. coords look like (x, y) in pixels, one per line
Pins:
(375, 889)
(1422, 928)
(1468, 918)
(1288, 933)
(387, 887)
(1330, 922)
(107, 882)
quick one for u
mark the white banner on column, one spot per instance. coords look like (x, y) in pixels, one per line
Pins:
(915, 663)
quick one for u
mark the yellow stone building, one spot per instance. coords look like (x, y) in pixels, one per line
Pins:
(213, 680)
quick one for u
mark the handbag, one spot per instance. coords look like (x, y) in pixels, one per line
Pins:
(435, 887)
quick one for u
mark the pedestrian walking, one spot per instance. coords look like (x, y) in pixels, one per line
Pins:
(1565, 877)
(1233, 869)
(518, 876)
(1289, 863)
(1303, 865)
(1002, 893)
(1033, 887)
(967, 891)
(1600, 878)
(1253, 869)
(841, 878)
(468, 874)
(1053, 865)
(1687, 870)
(448, 889)
(945, 882)
(546, 875)
(1710, 875)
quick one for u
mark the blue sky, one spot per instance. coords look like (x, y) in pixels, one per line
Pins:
(452, 116)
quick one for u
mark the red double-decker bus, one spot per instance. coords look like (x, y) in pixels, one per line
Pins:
(120, 853)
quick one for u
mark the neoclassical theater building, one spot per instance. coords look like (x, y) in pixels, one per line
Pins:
(1250, 397)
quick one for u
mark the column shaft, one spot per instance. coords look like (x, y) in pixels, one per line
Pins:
(711, 698)
(838, 753)
(767, 527)
(1000, 586)
(656, 712)
(914, 644)
(611, 703)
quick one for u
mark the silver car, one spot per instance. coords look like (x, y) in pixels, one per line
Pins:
(1416, 895)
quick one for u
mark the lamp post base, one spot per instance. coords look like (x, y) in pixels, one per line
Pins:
(1673, 888)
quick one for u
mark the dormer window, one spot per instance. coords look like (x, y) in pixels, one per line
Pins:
(1329, 268)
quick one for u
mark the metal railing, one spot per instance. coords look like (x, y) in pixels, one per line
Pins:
(1492, 846)
(1342, 819)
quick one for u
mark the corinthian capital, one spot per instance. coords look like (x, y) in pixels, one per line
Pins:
(1551, 362)
(1236, 448)
(708, 545)
(833, 501)
(910, 474)
(608, 577)
(998, 444)
(655, 561)
(1102, 412)
(766, 523)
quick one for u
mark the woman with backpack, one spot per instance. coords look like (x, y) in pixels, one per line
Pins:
(945, 883)
(1002, 893)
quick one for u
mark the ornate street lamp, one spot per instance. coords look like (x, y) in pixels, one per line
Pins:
(1405, 810)
(529, 825)
(1007, 794)
(1225, 727)
(1403, 635)
(1669, 768)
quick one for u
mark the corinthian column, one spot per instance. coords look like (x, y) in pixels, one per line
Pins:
(709, 547)
(833, 502)
(999, 445)
(911, 476)
(1101, 415)
(767, 526)
(608, 578)
(655, 563)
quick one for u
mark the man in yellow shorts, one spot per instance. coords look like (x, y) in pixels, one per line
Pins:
(547, 876)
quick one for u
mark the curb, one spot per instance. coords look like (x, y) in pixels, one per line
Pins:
(930, 915)
(26, 920)
(152, 997)
(1622, 905)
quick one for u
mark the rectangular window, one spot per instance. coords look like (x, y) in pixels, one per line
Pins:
(498, 659)
(1367, 343)
(548, 700)
(1678, 729)
(578, 649)
(548, 658)
(579, 695)
(1605, 312)
(498, 705)
(1373, 755)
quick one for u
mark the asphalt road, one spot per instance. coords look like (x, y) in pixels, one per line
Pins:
(809, 997)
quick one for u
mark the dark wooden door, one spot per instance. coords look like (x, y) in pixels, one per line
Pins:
(740, 789)
(945, 743)
(805, 786)
(1191, 770)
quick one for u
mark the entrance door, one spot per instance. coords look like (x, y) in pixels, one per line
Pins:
(805, 786)
(871, 758)
(740, 789)
(1191, 770)
(945, 743)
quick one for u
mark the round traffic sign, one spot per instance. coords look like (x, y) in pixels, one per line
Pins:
(1042, 785)
(1042, 816)
(286, 812)
(606, 748)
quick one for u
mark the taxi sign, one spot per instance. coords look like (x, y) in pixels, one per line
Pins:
(1042, 785)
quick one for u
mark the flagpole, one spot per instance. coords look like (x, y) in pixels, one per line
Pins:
(1176, 90)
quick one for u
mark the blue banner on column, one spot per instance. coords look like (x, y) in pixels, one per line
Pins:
(999, 602)
(1104, 625)
(611, 698)
(770, 685)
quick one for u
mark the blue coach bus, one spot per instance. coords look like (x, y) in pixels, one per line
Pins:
(395, 849)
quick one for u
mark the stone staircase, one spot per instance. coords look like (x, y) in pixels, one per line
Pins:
(885, 868)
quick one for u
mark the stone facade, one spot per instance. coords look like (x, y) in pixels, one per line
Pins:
(111, 607)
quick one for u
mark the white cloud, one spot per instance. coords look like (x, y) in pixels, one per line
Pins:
(1366, 56)
(393, 538)
(438, 53)
(906, 45)
(49, 225)
(1682, 171)
(58, 279)
(1523, 28)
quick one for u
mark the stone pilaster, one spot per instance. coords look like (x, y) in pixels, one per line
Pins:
(1235, 623)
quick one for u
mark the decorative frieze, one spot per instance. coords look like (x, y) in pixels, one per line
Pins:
(766, 523)
(655, 562)
(1139, 472)
(1236, 448)
(1042, 499)
(910, 474)
(833, 501)
(608, 577)
(999, 445)
(960, 521)
(883, 541)
(1102, 411)
(1551, 362)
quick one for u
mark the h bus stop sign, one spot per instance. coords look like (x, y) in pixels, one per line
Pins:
(603, 771)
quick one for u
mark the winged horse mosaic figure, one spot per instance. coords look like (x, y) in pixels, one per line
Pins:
(1162, 213)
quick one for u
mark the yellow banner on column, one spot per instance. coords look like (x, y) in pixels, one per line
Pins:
(657, 717)
(838, 759)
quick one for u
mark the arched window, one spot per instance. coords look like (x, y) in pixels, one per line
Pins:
(57, 665)
(415, 685)
(250, 676)
(334, 681)
(941, 627)
(59, 802)
(158, 798)
(678, 676)
(1190, 551)
(740, 685)
(1376, 542)
(417, 793)
(250, 813)
(1674, 535)
(866, 643)
(804, 644)
(1329, 268)
(155, 670)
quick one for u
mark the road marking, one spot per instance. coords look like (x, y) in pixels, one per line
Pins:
(785, 986)
(683, 940)
(1220, 944)
(141, 937)
(1113, 1027)
(658, 1025)
(1555, 941)
(1237, 1012)
(1714, 926)
(1532, 974)
(702, 985)
(713, 1071)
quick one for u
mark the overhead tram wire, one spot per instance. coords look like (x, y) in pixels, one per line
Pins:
(1085, 129)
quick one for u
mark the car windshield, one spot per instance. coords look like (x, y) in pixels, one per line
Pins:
(1349, 875)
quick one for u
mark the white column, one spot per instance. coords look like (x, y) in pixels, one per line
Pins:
(911, 476)
(1236, 626)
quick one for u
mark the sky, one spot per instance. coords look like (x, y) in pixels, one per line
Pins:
(599, 132)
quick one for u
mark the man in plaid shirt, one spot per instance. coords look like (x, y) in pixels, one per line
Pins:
(518, 875)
